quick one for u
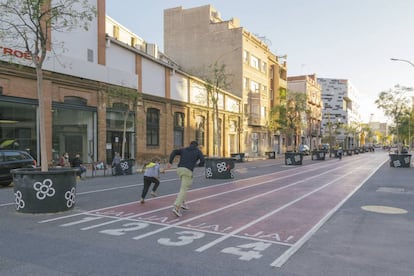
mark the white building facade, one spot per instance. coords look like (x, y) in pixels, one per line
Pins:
(170, 110)
(341, 118)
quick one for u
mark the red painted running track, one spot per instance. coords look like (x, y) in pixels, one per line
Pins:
(279, 208)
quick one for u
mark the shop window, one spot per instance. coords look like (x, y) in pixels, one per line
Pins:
(178, 129)
(153, 127)
(18, 127)
(200, 129)
(74, 131)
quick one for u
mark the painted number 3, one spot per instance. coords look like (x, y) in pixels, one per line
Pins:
(186, 237)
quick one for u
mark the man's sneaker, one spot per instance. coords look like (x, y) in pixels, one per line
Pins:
(154, 194)
(142, 200)
(177, 212)
(185, 206)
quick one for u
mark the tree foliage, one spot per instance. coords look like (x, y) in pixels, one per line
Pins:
(129, 97)
(216, 79)
(29, 24)
(395, 104)
(289, 117)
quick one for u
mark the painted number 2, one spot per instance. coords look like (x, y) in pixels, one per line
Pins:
(247, 255)
(186, 237)
(133, 226)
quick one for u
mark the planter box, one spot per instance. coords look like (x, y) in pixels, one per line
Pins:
(125, 167)
(44, 192)
(318, 155)
(400, 160)
(271, 154)
(238, 157)
(293, 158)
(219, 168)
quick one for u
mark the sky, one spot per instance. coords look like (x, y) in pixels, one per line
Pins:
(352, 39)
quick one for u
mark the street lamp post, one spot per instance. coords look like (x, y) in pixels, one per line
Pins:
(409, 122)
(403, 60)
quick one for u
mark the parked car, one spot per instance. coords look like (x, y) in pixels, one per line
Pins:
(13, 159)
(325, 148)
(304, 149)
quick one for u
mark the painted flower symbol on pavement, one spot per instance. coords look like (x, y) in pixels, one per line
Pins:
(70, 197)
(44, 189)
(18, 200)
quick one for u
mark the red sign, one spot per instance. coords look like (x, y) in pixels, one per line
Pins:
(15, 53)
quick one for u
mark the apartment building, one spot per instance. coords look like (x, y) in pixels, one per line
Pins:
(197, 38)
(87, 116)
(312, 117)
(341, 120)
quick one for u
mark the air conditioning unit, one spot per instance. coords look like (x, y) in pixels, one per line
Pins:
(152, 50)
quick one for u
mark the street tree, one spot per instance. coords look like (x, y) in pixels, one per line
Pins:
(216, 79)
(395, 104)
(289, 117)
(30, 24)
(125, 100)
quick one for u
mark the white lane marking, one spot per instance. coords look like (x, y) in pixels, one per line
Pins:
(238, 230)
(301, 171)
(252, 179)
(292, 250)
(231, 205)
(195, 200)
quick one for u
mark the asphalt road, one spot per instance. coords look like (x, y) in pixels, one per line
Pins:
(335, 217)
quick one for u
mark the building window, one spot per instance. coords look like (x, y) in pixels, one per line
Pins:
(255, 110)
(246, 56)
(246, 83)
(153, 127)
(254, 87)
(120, 131)
(178, 129)
(90, 55)
(200, 129)
(263, 112)
(18, 127)
(255, 62)
(264, 67)
(233, 126)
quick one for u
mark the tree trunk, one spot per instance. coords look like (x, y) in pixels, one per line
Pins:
(42, 125)
(124, 135)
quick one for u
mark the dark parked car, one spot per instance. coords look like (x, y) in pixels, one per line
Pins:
(325, 148)
(13, 159)
(304, 149)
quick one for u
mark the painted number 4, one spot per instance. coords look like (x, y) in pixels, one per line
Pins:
(244, 253)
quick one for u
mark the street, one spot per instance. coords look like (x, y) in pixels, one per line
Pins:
(320, 218)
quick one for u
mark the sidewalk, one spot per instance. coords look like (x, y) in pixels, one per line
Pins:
(371, 234)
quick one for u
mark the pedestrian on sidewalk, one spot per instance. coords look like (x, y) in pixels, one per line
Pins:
(78, 164)
(152, 172)
(340, 152)
(189, 158)
(116, 165)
